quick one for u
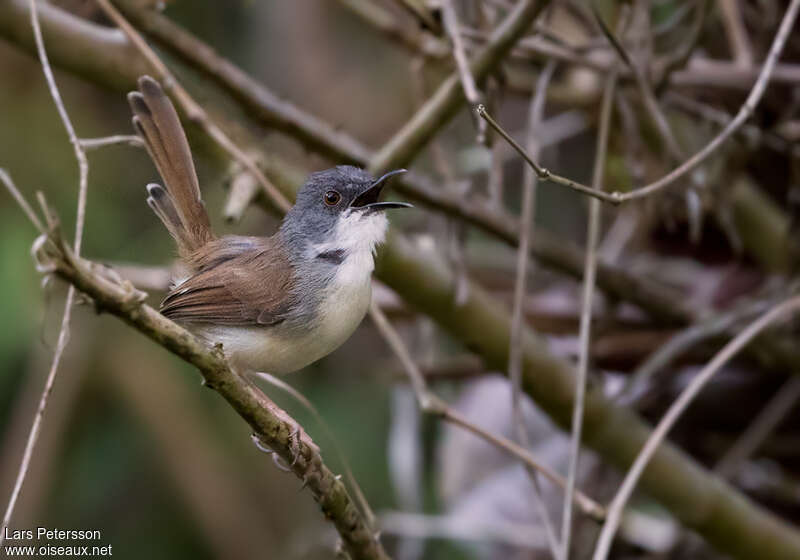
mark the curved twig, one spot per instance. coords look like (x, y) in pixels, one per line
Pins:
(668, 421)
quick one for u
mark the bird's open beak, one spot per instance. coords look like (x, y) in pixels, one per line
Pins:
(368, 200)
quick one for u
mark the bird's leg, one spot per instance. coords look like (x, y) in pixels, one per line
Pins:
(297, 435)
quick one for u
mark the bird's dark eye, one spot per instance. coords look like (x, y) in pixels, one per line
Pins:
(332, 198)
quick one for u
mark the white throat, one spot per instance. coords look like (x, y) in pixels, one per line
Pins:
(356, 234)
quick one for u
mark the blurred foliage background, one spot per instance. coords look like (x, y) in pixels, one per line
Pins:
(134, 446)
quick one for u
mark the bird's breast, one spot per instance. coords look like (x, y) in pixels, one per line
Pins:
(281, 349)
(346, 298)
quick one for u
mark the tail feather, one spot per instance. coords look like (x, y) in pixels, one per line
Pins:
(161, 203)
(180, 207)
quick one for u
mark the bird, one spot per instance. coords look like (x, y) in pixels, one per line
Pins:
(279, 303)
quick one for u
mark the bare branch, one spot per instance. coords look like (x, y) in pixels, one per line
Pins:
(750, 133)
(542, 173)
(23, 204)
(590, 266)
(471, 92)
(668, 421)
(94, 143)
(721, 514)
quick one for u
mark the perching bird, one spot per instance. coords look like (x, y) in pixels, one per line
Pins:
(275, 303)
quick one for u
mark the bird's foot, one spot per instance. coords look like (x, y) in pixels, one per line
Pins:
(298, 440)
(263, 447)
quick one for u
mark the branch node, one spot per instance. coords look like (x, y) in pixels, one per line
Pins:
(133, 298)
(43, 253)
(219, 351)
(431, 404)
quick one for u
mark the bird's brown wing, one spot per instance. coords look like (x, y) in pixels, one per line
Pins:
(240, 281)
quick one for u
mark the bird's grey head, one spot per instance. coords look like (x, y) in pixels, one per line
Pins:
(337, 212)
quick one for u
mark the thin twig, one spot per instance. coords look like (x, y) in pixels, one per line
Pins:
(129, 139)
(471, 92)
(590, 267)
(12, 188)
(193, 109)
(726, 74)
(63, 334)
(701, 71)
(542, 173)
(432, 404)
(681, 403)
(522, 271)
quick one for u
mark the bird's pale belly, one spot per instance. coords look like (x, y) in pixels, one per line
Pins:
(279, 351)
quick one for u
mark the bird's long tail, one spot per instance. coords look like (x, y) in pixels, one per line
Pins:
(180, 207)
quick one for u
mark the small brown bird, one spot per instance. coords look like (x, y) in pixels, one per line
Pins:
(277, 303)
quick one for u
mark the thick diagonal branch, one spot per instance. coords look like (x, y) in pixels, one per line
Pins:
(270, 424)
